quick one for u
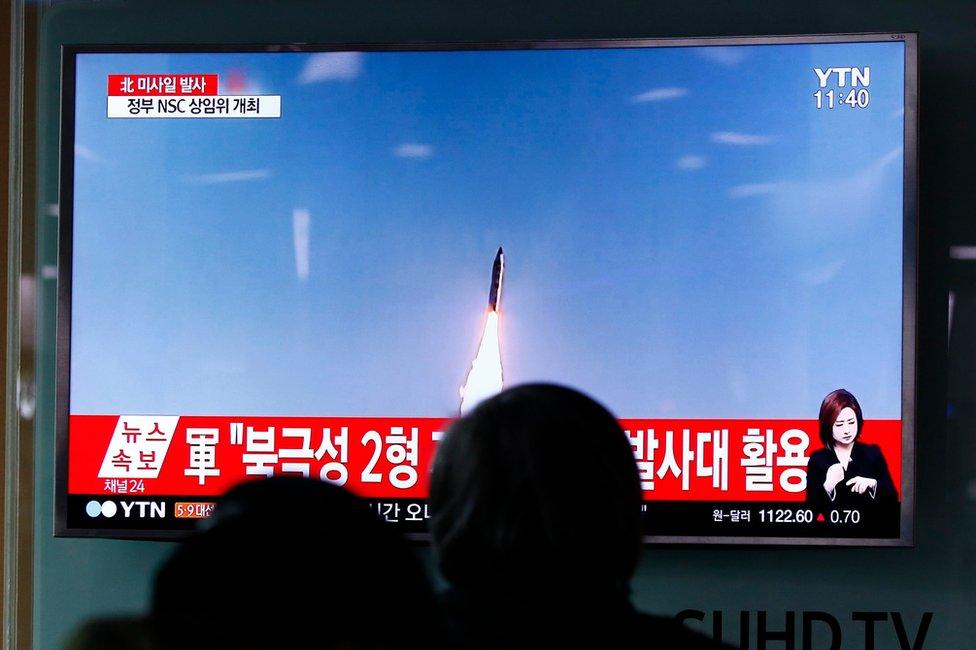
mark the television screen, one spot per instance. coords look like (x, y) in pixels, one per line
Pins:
(307, 261)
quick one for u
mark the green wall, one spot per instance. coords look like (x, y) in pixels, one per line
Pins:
(75, 579)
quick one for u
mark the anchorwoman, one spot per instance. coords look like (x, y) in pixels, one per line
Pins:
(846, 473)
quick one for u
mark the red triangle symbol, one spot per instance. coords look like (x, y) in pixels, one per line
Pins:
(820, 517)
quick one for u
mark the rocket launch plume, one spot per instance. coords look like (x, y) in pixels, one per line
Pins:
(485, 378)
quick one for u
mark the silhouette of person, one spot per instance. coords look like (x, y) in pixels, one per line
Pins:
(153, 633)
(536, 522)
(289, 562)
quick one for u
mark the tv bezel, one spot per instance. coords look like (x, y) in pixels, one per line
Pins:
(69, 54)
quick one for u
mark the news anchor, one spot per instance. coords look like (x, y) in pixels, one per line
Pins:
(846, 473)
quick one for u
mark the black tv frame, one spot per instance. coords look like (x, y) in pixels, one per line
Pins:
(909, 253)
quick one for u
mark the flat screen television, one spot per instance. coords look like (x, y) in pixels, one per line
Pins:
(308, 259)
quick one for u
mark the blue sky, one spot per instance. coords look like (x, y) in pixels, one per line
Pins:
(686, 234)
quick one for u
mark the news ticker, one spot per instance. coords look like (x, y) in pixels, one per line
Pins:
(412, 516)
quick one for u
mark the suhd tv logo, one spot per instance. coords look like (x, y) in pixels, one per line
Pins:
(129, 509)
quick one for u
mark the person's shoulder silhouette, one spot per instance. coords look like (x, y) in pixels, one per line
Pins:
(299, 563)
(536, 521)
(155, 633)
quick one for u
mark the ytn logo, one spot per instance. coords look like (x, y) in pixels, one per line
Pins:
(142, 509)
(845, 76)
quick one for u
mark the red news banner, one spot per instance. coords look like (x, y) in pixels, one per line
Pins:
(184, 96)
(161, 85)
(678, 460)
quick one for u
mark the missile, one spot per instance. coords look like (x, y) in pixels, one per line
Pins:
(497, 277)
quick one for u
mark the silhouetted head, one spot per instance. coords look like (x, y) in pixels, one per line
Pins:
(538, 485)
(836, 424)
(299, 563)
